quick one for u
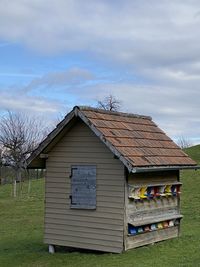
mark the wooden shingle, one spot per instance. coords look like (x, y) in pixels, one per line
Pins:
(135, 139)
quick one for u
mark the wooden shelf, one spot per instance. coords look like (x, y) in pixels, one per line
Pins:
(156, 184)
(149, 198)
(155, 220)
(150, 231)
(158, 189)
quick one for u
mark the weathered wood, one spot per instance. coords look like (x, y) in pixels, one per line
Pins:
(89, 213)
(151, 216)
(139, 179)
(126, 213)
(156, 184)
(82, 243)
(80, 160)
(106, 227)
(85, 240)
(165, 217)
(152, 204)
(100, 203)
(61, 156)
(100, 209)
(81, 234)
(107, 219)
(105, 190)
(63, 184)
(79, 223)
(150, 237)
(148, 211)
(93, 219)
(85, 229)
(100, 197)
(108, 170)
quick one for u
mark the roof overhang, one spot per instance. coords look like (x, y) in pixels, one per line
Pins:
(75, 113)
(36, 160)
(39, 156)
(163, 168)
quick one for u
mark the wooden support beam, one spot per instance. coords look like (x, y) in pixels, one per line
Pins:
(51, 249)
(44, 156)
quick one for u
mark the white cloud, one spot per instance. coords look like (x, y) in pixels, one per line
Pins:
(157, 40)
(71, 77)
(128, 27)
(25, 103)
(175, 112)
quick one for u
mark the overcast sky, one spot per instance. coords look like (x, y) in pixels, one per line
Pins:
(61, 53)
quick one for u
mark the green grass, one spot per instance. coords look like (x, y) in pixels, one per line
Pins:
(21, 234)
(194, 152)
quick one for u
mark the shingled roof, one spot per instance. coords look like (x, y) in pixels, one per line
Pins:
(136, 140)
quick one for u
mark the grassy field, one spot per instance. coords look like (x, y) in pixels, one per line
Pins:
(21, 233)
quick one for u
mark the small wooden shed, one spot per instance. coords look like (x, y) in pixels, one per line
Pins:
(112, 181)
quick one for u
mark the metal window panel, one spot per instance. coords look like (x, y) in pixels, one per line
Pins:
(83, 186)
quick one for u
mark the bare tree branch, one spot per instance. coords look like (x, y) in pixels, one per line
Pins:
(19, 136)
(109, 103)
(184, 142)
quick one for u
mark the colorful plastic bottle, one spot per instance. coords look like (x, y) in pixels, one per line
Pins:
(165, 224)
(156, 191)
(173, 190)
(178, 189)
(168, 191)
(143, 192)
(171, 223)
(160, 226)
(140, 230)
(153, 227)
(147, 228)
(132, 230)
(150, 192)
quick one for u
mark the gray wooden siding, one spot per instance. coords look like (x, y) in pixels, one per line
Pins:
(150, 209)
(100, 229)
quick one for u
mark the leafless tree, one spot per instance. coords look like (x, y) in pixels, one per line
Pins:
(184, 142)
(1, 163)
(109, 103)
(19, 136)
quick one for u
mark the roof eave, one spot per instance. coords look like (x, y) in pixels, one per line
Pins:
(76, 112)
(163, 168)
(51, 136)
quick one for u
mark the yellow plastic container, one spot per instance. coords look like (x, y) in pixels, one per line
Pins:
(143, 192)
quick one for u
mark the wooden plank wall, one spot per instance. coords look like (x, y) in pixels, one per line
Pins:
(100, 229)
(147, 209)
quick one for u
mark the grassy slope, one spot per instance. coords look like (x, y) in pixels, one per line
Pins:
(194, 152)
(21, 234)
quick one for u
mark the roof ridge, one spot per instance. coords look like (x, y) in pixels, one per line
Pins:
(117, 113)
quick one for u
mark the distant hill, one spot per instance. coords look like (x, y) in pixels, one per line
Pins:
(193, 152)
